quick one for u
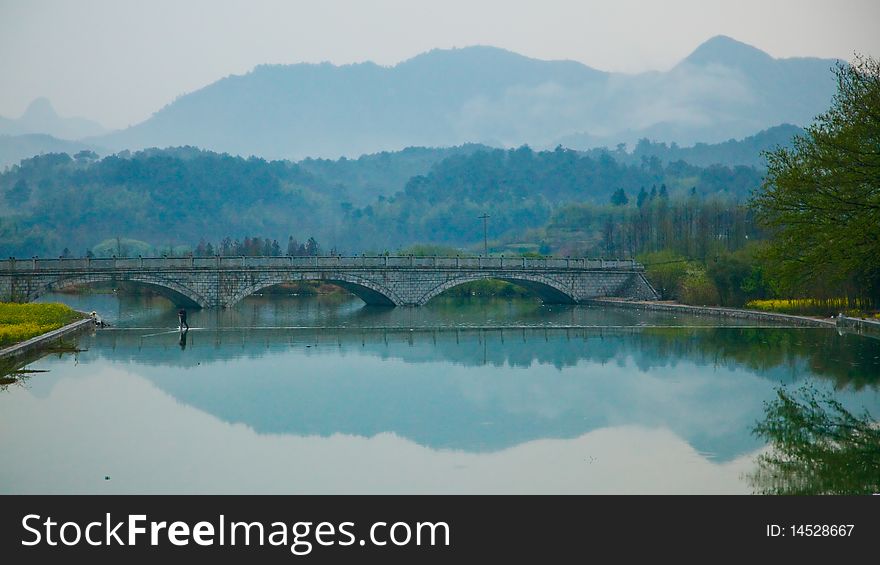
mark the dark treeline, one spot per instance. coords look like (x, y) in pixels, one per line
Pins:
(747, 152)
(258, 247)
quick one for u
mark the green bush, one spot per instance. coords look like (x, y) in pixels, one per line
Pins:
(697, 288)
(665, 271)
(742, 275)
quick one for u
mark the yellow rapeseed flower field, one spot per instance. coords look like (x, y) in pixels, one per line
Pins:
(19, 322)
(809, 306)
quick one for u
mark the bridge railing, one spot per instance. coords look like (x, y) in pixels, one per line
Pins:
(323, 262)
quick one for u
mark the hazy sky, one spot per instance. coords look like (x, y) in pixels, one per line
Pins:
(118, 61)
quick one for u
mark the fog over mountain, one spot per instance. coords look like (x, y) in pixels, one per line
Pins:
(724, 89)
(40, 118)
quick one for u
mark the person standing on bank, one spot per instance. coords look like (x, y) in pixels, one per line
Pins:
(181, 316)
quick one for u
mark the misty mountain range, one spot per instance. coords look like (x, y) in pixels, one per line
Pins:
(723, 90)
(41, 118)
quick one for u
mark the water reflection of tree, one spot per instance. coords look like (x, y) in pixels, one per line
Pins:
(12, 370)
(782, 354)
(11, 373)
(816, 447)
(848, 360)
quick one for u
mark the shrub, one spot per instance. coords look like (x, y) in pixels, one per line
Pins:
(665, 271)
(697, 288)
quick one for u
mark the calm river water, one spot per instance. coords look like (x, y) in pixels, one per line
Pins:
(326, 395)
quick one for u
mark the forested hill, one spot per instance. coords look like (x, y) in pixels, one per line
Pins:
(172, 196)
(14, 148)
(179, 196)
(748, 151)
(520, 188)
(382, 174)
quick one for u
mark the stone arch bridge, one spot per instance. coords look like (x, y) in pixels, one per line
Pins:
(219, 282)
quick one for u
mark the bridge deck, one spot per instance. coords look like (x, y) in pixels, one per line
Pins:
(311, 263)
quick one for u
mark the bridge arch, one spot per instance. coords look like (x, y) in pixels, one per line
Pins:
(546, 288)
(177, 293)
(365, 289)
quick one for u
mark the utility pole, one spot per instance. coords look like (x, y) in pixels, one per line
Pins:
(485, 217)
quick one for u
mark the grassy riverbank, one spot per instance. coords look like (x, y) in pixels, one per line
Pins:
(19, 322)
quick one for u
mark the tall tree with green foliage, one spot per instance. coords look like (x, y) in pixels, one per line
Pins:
(822, 196)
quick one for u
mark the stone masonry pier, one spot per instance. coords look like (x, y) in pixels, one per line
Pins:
(220, 282)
